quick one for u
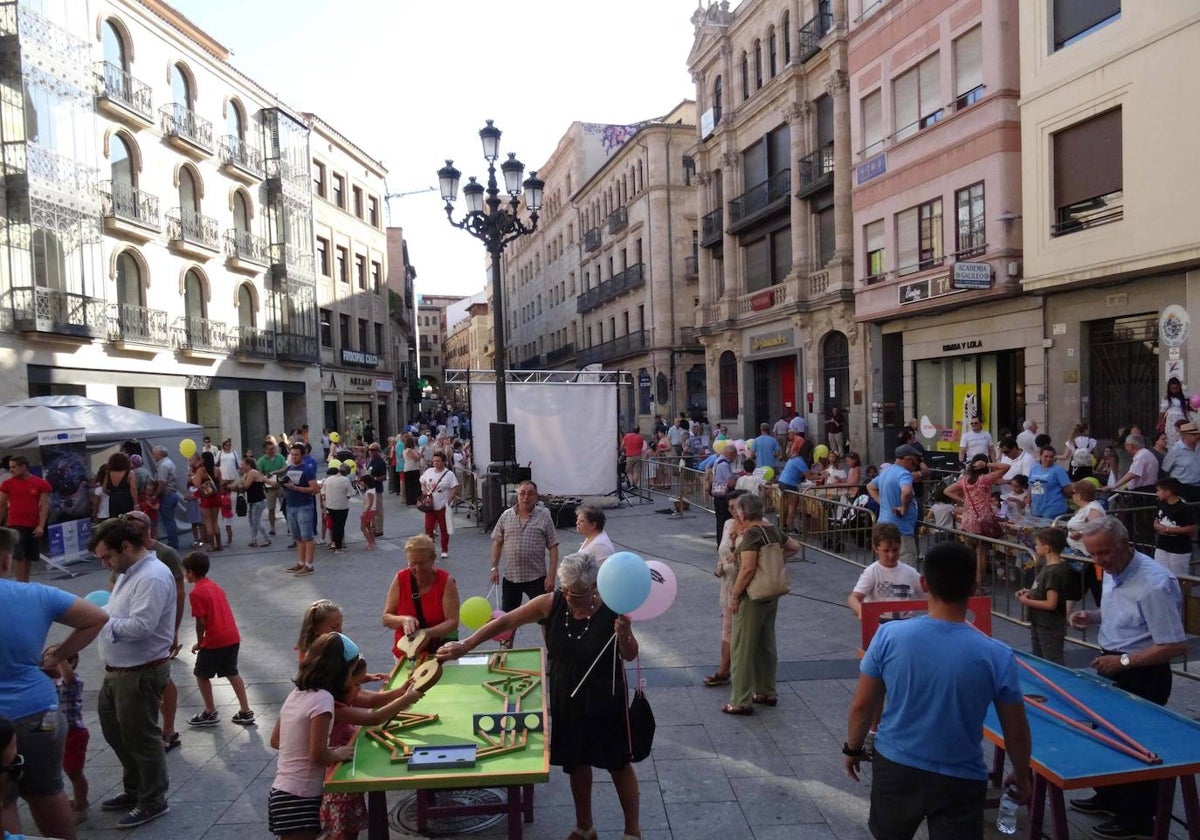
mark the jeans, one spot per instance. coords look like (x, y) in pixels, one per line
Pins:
(168, 510)
(258, 533)
(128, 707)
(302, 520)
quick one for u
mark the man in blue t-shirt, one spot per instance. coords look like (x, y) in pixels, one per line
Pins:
(300, 489)
(892, 490)
(928, 760)
(765, 447)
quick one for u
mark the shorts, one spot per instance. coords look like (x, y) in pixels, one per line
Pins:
(368, 516)
(290, 814)
(1176, 564)
(42, 739)
(28, 546)
(76, 750)
(344, 813)
(217, 662)
(633, 460)
(301, 521)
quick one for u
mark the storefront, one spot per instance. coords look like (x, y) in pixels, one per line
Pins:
(771, 362)
(984, 360)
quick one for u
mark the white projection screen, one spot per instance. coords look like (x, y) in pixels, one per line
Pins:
(566, 432)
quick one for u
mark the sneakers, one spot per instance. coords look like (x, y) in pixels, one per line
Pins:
(1115, 830)
(204, 719)
(291, 570)
(139, 816)
(245, 718)
(1092, 805)
(307, 570)
(120, 802)
(445, 554)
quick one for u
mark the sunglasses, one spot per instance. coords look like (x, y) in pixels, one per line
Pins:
(14, 770)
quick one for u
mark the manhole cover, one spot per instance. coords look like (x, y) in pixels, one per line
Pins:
(404, 816)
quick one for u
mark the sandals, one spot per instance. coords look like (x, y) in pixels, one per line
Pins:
(716, 678)
(170, 742)
(766, 699)
(737, 710)
(578, 833)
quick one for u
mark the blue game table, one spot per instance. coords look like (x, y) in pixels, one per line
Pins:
(1067, 759)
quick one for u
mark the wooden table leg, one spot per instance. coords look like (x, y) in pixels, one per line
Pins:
(1162, 813)
(997, 776)
(1037, 806)
(1191, 806)
(1058, 812)
(377, 821)
(527, 802)
(514, 812)
(423, 797)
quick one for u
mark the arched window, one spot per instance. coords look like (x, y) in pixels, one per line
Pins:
(130, 291)
(189, 194)
(120, 159)
(745, 76)
(718, 91)
(241, 213)
(245, 306)
(786, 28)
(835, 356)
(181, 87)
(113, 44)
(235, 121)
(661, 388)
(727, 376)
(758, 64)
(771, 57)
(193, 297)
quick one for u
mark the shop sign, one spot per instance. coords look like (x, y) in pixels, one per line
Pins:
(762, 300)
(920, 290)
(199, 383)
(384, 386)
(872, 168)
(972, 275)
(958, 346)
(360, 384)
(1173, 325)
(776, 340)
(357, 357)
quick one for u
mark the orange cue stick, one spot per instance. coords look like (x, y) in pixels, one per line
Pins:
(1099, 736)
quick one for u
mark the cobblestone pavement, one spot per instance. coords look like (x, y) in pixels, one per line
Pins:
(777, 774)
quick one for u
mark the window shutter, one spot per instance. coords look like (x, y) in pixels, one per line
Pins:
(907, 242)
(1087, 159)
(930, 86)
(874, 236)
(904, 95)
(758, 265)
(968, 61)
(1073, 17)
(872, 115)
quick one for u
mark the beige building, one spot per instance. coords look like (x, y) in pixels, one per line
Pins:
(468, 344)
(609, 277)
(432, 331)
(402, 312)
(1108, 136)
(358, 379)
(934, 88)
(157, 220)
(776, 314)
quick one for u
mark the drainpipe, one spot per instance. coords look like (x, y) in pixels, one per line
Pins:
(671, 278)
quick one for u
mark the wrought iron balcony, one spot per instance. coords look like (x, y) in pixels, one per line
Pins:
(591, 239)
(712, 228)
(288, 260)
(134, 324)
(691, 267)
(200, 335)
(252, 342)
(127, 206)
(626, 345)
(761, 200)
(297, 348)
(633, 277)
(618, 220)
(240, 159)
(816, 172)
(561, 355)
(38, 309)
(123, 96)
(189, 230)
(180, 123)
(242, 247)
(813, 32)
(534, 362)
(689, 337)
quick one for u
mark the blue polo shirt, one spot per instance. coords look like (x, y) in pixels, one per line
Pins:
(1045, 490)
(890, 484)
(793, 471)
(1141, 607)
(765, 448)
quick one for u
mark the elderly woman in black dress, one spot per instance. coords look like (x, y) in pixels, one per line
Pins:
(590, 729)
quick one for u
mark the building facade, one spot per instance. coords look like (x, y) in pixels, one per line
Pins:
(432, 330)
(935, 129)
(157, 217)
(776, 313)
(358, 377)
(1110, 238)
(402, 313)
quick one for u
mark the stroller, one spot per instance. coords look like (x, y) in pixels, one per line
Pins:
(850, 523)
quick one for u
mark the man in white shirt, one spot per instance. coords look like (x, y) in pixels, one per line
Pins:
(1027, 440)
(975, 442)
(798, 424)
(135, 647)
(780, 430)
(1143, 471)
(1019, 461)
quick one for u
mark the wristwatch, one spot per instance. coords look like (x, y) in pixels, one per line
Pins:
(852, 753)
(1125, 660)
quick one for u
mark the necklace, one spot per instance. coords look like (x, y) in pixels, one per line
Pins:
(567, 620)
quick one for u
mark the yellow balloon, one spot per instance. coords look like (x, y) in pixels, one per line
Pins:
(187, 447)
(475, 612)
(820, 451)
(334, 437)
(335, 464)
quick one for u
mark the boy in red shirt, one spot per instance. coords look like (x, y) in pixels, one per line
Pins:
(25, 499)
(217, 642)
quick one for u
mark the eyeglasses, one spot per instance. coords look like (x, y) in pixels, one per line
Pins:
(14, 770)
(576, 596)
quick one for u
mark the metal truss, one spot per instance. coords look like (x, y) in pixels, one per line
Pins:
(543, 377)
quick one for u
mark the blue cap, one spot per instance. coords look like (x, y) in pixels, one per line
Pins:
(349, 649)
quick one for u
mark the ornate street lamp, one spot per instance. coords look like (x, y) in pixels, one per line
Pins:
(495, 224)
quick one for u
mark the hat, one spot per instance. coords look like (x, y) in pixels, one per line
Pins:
(907, 451)
(1189, 429)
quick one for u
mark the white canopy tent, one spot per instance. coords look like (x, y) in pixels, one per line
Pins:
(105, 425)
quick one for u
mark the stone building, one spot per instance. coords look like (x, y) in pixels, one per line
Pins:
(432, 329)
(402, 312)
(776, 285)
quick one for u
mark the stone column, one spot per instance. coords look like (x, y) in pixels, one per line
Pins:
(732, 186)
(798, 116)
(839, 88)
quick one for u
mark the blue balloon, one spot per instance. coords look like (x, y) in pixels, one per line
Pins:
(422, 440)
(624, 582)
(99, 597)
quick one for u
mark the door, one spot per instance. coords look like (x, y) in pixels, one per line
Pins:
(1123, 374)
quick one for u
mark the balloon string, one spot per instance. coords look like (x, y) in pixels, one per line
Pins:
(592, 667)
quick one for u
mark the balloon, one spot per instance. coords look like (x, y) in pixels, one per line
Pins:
(624, 582)
(820, 451)
(335, 464)
(334, 437)
(1194, 401)
(187, 447)
(750, 445)
(422, 440)
(475, 612)
(768, 473)
(99, 597)
(720, 439)
(760, 472)
(663, 588)
(507, 635)
(1092, 480)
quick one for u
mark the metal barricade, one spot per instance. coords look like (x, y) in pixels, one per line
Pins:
(468, 501)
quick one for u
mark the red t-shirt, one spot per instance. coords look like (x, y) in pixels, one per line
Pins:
(634, 443)
(24, 497)
(431, 602)
(209, 602)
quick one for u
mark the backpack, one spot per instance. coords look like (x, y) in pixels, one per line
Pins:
(1082, 457)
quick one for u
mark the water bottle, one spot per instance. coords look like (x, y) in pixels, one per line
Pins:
(1006, 816)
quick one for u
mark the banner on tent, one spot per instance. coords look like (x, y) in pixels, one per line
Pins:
(65, 467)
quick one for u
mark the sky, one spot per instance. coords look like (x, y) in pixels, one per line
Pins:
(411, 83)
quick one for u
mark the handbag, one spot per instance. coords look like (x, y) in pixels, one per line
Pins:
(208, 489)
(639, 721)
(770, 577)
(240, 505)
(425, 500)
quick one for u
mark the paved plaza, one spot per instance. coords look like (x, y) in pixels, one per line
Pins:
(775, 775)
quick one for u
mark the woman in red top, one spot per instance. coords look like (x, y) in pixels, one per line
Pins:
(204, 478)
(435, 607)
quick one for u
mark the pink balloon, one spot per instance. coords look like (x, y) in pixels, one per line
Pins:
(1194, 401)
(663, 589)
(507, 635)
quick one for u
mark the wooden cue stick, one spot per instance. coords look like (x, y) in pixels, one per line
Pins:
(1086, 710)
(1099, 736)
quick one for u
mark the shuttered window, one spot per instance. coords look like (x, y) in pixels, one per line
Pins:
(758, 265)
(907, 242)
(876, 251)
(917, 96)
(872, 121)
(1088, 172)
(968, 62)
(1074, 19)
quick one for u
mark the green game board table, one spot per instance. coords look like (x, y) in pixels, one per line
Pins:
(513, 750)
